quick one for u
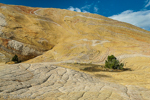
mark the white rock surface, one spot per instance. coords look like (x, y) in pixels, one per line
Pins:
(51, 82)
(25, 50)
(15, 44)
(2, 20)
(2, 23)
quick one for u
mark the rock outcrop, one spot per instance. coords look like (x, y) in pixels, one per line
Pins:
(51, 82)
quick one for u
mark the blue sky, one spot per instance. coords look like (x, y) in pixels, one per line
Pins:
(136, 12)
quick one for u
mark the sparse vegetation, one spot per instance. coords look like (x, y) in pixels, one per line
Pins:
(15, 59)
(113, 63)
(114, 66)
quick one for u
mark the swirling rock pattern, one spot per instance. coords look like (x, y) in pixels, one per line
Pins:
(49, 81)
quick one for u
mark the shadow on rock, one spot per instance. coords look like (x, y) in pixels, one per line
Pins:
(100, 75)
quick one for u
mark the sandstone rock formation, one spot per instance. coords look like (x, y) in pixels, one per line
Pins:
(51, 82)
(67, 35)
(56, 39)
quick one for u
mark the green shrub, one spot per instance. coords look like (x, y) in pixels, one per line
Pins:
(15, 59)
(113, 63)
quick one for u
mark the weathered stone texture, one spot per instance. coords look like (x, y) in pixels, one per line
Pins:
(47, 80)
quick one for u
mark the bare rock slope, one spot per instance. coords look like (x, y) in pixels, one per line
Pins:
(57, 40)
(51, 82)
(67, 35)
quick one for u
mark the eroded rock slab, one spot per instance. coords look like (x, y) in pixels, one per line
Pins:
(51, 82)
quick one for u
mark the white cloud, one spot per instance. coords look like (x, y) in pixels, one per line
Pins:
(139, 18)
(95, 9)
(74, 9)
(77, 9)
(87, 7)
(71, 8)
(147, 3)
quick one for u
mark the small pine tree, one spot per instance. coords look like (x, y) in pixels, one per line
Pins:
(113, 63)
(15, 58)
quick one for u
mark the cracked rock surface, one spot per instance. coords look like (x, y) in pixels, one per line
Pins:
(51, 82)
